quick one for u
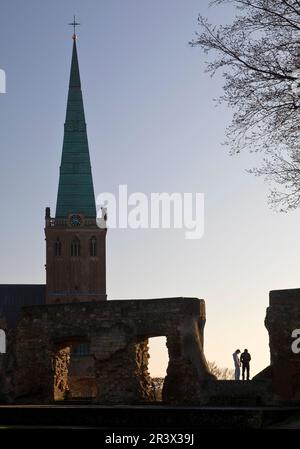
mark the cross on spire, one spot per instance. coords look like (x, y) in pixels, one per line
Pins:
(74, 24)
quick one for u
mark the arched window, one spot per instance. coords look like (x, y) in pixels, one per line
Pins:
(75, 247)
(2, 342)
(93, 247)
(57, 247)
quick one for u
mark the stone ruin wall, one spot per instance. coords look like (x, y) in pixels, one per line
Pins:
(282, 318)
(118, 333)
(37, 369)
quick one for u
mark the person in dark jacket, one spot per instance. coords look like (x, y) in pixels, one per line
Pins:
(245, 361)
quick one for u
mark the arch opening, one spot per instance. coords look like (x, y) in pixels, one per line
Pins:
(158, 363)
(74, 372)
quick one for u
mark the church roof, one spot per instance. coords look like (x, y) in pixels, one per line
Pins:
(14, 296)
(75, 191)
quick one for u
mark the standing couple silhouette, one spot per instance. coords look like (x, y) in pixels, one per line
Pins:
(244, 361)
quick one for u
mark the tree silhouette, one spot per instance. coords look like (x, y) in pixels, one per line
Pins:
(259, 56)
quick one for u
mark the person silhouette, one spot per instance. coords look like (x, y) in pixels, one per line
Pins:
(237, 364)
(245, 361)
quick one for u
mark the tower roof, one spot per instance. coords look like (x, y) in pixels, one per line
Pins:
(75, 190)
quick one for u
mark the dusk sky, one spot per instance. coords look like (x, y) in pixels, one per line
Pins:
(153, 125)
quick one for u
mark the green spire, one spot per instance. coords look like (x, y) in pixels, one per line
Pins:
(75, 190)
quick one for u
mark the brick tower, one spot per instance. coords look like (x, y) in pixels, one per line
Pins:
(75, 244)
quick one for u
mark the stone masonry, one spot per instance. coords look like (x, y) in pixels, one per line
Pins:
(117, 332)
(283, 316)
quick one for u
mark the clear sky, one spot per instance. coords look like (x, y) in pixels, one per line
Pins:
(152, 124)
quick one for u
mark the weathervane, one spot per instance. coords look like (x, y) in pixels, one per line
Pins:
(74, 25)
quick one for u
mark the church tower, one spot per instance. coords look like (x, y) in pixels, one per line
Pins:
(75, 244)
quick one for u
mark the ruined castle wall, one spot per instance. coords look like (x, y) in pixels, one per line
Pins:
(283, 317)
(118, 333)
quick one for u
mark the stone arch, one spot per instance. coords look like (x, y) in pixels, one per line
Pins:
(118, 332)
(176, 366)
(73, 369)
(141, 349)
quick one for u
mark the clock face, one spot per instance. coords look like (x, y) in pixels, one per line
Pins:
(75, 220)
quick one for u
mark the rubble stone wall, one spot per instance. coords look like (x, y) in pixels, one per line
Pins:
(283, 317)
(117, 332)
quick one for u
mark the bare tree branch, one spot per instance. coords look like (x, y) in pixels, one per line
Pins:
(259, 56)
